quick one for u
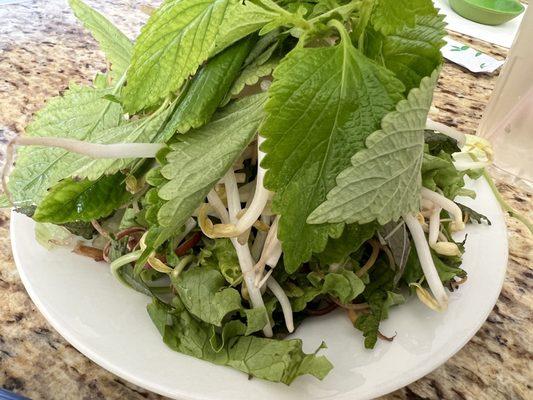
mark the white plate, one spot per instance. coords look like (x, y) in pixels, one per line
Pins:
(109, 324)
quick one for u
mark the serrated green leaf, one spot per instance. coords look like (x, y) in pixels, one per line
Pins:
(270, 359)
(241, 19)
(79, 114)
(390, 15)
(252, 73)
(384, 179)
(322, 105)
(353, 236)
(411, 52)
(142, 130)
(200, 158)
(116, 46)
(205, 293)
(85, 200)
(207, 89)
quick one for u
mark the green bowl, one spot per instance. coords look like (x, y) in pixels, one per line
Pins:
(488, 12)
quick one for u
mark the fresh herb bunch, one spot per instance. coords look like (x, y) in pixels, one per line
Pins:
(248, 164)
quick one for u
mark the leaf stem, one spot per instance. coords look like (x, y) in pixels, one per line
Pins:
(504, 205)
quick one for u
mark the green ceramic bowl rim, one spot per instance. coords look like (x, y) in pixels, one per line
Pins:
(495, 11)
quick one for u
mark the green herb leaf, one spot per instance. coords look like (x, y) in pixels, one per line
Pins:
(322, 105)
(353, 236)
(438, 142)
(270, 359)
(79, 114)
(221, 255)
(411, 52)
(84, 200)
(199, 159)
(178, 38)
(439, 172)
(116, 46)
(203, 291)
(474, 215)
(207, 89)
(241, 19)
(384, 180)
(343, 285)
(391, 15)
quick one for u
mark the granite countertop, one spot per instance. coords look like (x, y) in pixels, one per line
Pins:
(42, 48)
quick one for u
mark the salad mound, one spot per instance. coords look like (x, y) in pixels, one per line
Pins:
(249, 164)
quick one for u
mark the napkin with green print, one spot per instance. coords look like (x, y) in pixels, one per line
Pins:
(468, 57)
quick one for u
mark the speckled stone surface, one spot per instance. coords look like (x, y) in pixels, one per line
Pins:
(42, 48)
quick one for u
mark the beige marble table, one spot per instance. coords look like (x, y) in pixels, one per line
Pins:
(42, 48)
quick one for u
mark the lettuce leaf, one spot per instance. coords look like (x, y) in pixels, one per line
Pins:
(270, 359)
(204, 293)
(323, 104)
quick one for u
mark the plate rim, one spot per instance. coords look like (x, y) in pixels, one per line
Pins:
(392, 385)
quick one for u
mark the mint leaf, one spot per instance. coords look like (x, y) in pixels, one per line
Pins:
(390, 15)
(353, 237)
(116, 46)
(199, 159)
(411, 52)
(270, 359)
(84, 200)
(203, 291)
(384, 179)
(207, 89)
(78, 114)
(322, 105)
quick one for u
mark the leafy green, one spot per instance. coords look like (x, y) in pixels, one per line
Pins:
(221, 255)
(270, 359)
(473, 215)
(142, 130)
(200, 158)
(241, 19)
(116, 46)
(413, 269)
(438, 142)
(208, 88)
(353, 236)
(343, 285)
(85, 200)
(384, 180)
(203, 291)
(390, 15)
(79, 114)
(379, 301)
(411, 52)
(51, 236)
(322, 105)
(439, 172)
